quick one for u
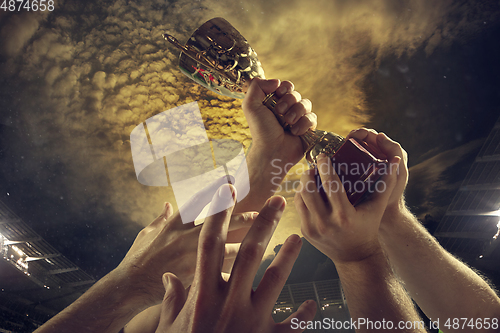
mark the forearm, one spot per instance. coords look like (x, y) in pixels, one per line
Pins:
(105, 307)
(144, 322)
(374, 295)
(265, 174)
(441, 285)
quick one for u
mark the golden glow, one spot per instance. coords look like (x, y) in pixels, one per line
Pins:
(96, 88)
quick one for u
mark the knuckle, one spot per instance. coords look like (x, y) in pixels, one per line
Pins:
(308, 232)
(275, 275)
(322, 229)
(250, 252)
(209, 243)
(297, 96)
(341, 217)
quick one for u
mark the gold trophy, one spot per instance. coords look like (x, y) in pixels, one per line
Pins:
(219, 58)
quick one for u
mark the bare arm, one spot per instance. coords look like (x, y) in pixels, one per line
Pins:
(273, 151)
(442, 286)
(105, 307)
(349, 236)
(166, 245)
(219, 306)
(374, 293)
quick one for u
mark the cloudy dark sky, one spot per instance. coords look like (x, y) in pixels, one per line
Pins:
(75, 82)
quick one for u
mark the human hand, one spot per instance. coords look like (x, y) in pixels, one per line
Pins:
(269, 139)
(334, 226)
(390, 148)
(168, 244)
(216, 305)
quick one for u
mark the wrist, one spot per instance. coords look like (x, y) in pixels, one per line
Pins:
(394, 214)
(113, 294)
(358, 255)
(127, 290)
(370, 263)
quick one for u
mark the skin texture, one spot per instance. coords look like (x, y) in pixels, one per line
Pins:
(349, 236)
(216, 305)
(272, 149)
(168, 245)
(443, 286)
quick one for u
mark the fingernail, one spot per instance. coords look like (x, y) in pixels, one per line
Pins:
(321, 156)
(295, 130)
(290, 117)
(226, 192)
(166, 280)
(294, 239)
(276, 203)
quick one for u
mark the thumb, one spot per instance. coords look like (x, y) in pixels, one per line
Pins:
(173, 301)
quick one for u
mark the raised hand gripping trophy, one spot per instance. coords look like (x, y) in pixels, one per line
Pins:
(219, 58)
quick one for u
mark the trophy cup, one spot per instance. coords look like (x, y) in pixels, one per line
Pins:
(219, 58)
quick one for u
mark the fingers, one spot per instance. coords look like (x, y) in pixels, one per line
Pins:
(253, 246)
(173, 301)
(193, 207)
(231, 250)
(304, 313)
(284, 88)
(230, 254)
(332, 185)
(212, 240)
(310, 196)
(364, 134)
(166, 213)
(276, 274)
(256, 93)
(369, 136)
(242, 220)
(307, 227)
(379, 141)
(287, 101)
(293, 107)
(271, 85)
(239, 226)
(391, 148)
(308, 121)
(377, 202)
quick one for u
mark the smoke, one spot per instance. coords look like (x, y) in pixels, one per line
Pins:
(77, 80)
